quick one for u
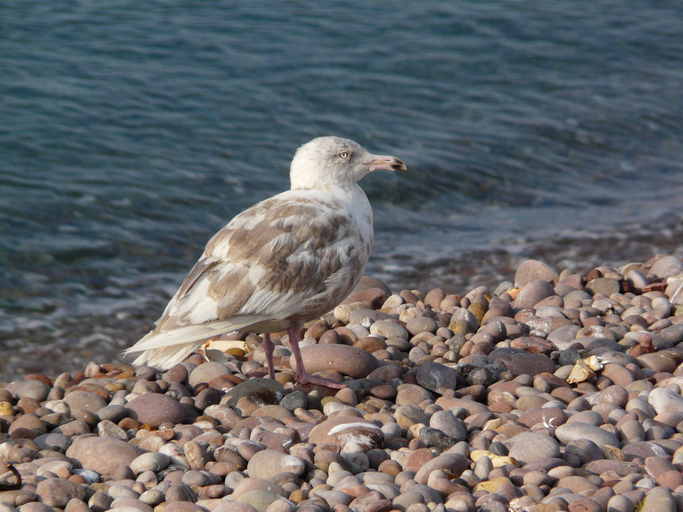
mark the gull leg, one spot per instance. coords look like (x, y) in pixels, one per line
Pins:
(301, 376)
(268, 347)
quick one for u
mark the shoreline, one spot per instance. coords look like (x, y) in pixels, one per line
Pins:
(71, 340)
(549, 390)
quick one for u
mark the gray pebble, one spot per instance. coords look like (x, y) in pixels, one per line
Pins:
(532, 447)
(30, 388)
(113, 413)
(575, 431)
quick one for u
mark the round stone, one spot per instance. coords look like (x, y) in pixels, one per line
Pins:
(57, 492)
(207, 372)
(665, 400)
(667, 266)
(531, 270)
(389, 329)
(520, 362)
(532, 293)
(29, 388)
(435, 376)
(449, 424)
(268, 463)
(533, 447)
(452, 463)
(575, 431)
(420, 324)
(154, 409)
(344, 359)
(151, 461)
(83, 402)
(27, 426)
(103, 454)
(604, 285)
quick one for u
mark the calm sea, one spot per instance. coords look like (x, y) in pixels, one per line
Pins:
(131, 131)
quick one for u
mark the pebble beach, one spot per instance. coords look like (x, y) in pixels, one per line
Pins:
(549, 390)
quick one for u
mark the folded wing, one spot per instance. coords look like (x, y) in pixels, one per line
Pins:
(293, 256)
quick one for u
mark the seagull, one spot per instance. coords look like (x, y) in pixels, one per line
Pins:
(280, 263)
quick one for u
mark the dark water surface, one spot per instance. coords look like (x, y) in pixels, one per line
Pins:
(132, 131)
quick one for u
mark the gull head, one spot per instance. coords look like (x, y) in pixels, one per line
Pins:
(334, 161)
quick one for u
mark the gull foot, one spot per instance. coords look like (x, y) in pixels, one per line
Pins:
(307, 378)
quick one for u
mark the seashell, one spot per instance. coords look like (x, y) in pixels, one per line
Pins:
(513, 292)
(584, 369)
(218, 349)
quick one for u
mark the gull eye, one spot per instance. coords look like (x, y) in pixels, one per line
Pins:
(344, 155)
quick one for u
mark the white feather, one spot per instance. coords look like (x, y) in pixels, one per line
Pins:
(192, 333)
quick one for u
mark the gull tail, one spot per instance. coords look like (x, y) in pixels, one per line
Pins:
(165, 349)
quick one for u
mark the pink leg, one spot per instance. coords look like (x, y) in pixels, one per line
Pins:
(301, 376)
(268, 347)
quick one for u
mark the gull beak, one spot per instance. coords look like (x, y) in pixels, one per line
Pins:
(386, 163)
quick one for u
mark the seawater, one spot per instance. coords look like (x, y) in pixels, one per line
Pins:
(132, 131)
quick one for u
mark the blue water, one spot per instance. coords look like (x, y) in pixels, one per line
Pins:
(132, 131)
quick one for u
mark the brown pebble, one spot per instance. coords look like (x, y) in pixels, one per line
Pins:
(345, 359)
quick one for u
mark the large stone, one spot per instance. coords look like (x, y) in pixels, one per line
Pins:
(658, 499)
(57, 492)
(665, 400)
(83, 403)
(532, 447)
(389, 329)
(667, 266)
(453, 463)
(532, 293)
(104, 455)
(531, 270)
(520, 362)
(449, 424)
(564, 336)
(206, 372)
(668, 337)
(154, 409)
(268, 463)
(150, 461)
(435, 376)
(604, 285)
(29, 388)
(27, 426)
(575, 431)
(344, 359)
